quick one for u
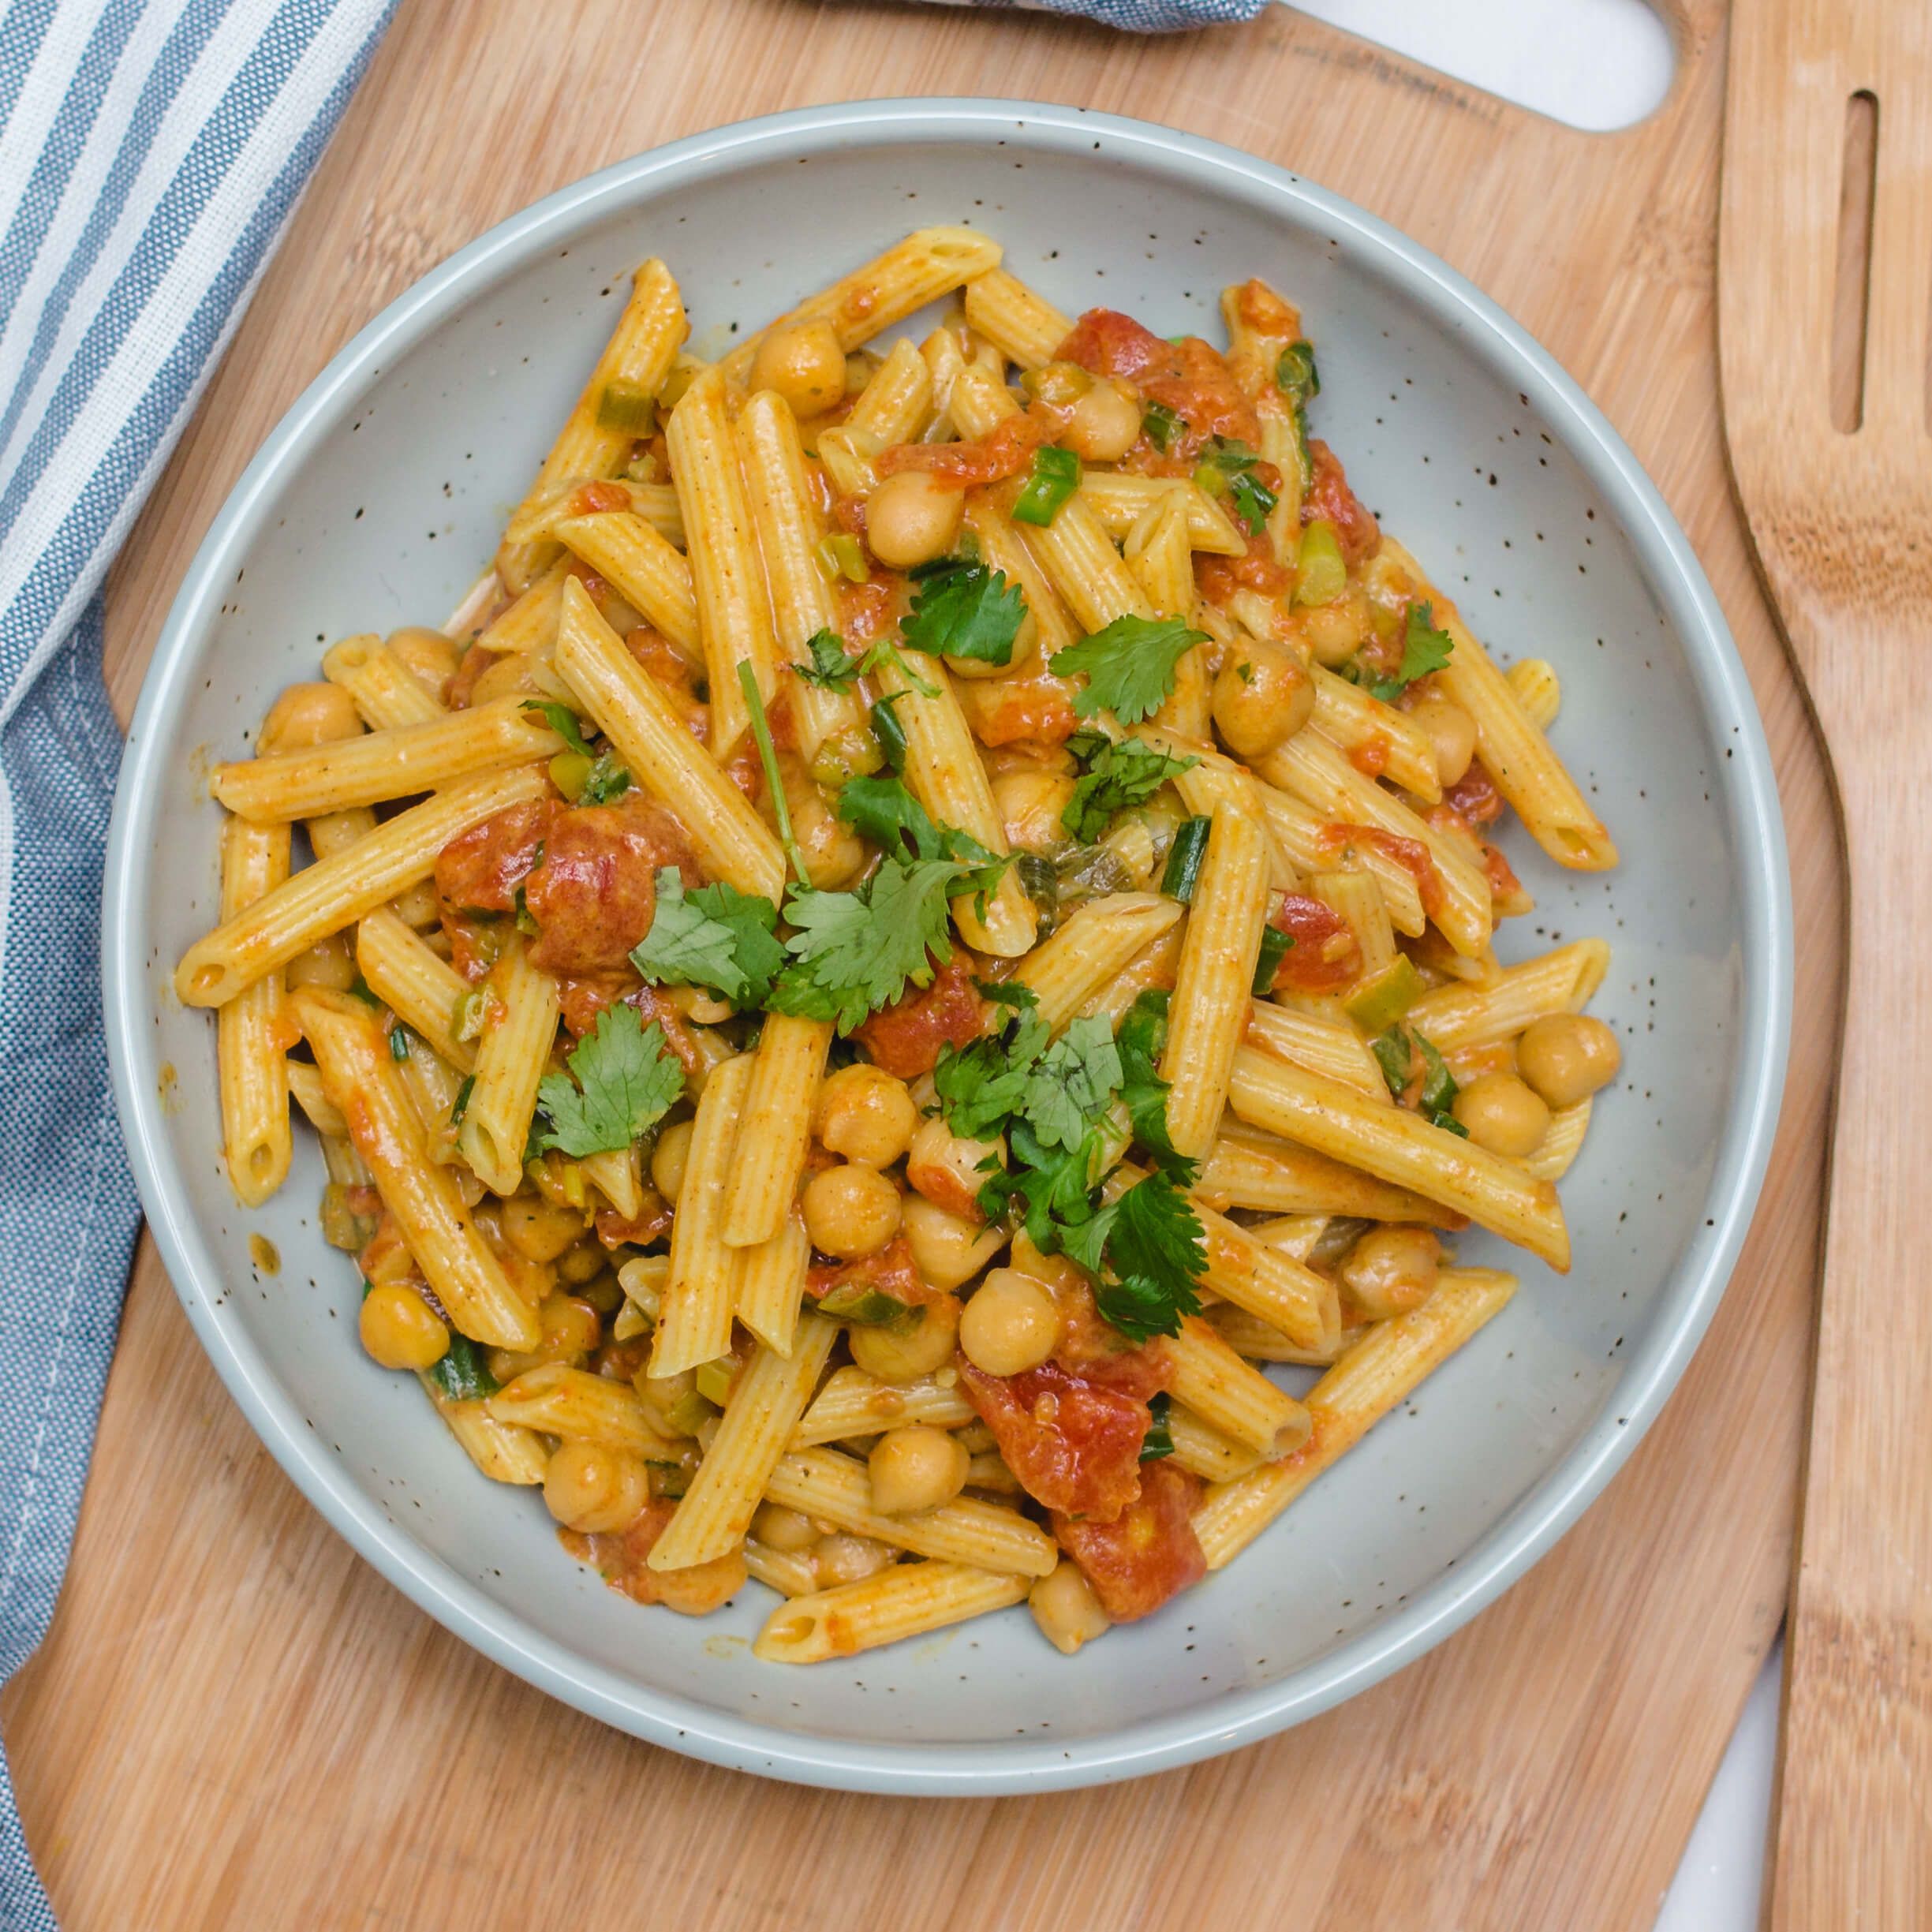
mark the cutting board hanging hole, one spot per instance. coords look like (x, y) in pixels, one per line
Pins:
(1852, 301)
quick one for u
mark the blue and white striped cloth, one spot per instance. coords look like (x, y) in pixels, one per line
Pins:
(150, 153)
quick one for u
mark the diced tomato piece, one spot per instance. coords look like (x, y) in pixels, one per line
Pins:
(1003, 451)
(1220, 577)
(615, 1232)
(1035, 707)
(1075, 1443)
(890, 1271)
(905, 1038)
(480, 869)
(1330, 498)
(1503, 883)
(865, 611)
(1095, 1350)
(1316, 960)
(1190, 377)
(589, 499)
(1473, 796)
(1265, 312)
(674, 675)
(1148, 1553)
(594, 893)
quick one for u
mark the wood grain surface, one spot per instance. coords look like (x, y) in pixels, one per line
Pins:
(1836, 477)
(236, 1724)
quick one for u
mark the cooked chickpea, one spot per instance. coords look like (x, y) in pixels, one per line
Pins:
(1391, 1270)
(400, 1329)
(850, 1211)
(308, 715)
(1029, 802)
(834, 853)
(536, 1229)
(1451, 733)
(779, 1528)
(327, 963)
(1105, 425)
(803, 361)
(1012, 1324)
(668, 1158)
(1335, 631)
(947, 1249)
(1566, 1057)
(866, 1115)
(431, 655)
(1066, 1609)
(510, 676)
(914, 1468)
(1502, 1115)
(946, 1169)
(849, 1559)
(905, 1351)
(1262, 697)
(589, 1488)
(912, 517)
(569, 1331)
(704, 1587)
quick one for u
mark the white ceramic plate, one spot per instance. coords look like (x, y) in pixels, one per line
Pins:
(373, 504)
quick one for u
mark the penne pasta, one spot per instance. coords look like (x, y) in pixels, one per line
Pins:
(694, 1324)
(906, 1600)
(527, 623)
(1315, 844)
(1561, 980)
(776, 1128)
(613, 409)
(1329, 1047)
(416, 984)
(1387, 1364)
(1376, 738)
(1119, 499)
(1225, 1391)
(1082, 957)
(637, 559)
(768, 1286)
(1213, 986)
(822, 1483)
(511, 1058)
(1269, 1175)
(337, 891)
(380, 766)
(768, 1397)
(362, 1083)
(1401, 1147)
(250, 1050)
(559, 1400)
(854, 1403)
(656, 502)
(503, 1452)
(663, 756)
(389, 695)
(1024, 326)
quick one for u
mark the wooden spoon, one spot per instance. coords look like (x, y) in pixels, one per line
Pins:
(1825, 311)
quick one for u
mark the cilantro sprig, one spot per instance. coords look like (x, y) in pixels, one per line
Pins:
(1400, 1052)
(621, 1080)
(1129, 666)
(962, 608)
(1118, 776)
(714, 936)
(1424, 649)
(1228, 468)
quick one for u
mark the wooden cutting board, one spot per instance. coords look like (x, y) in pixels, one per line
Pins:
(236, 1724)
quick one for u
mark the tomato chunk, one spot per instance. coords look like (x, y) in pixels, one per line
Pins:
(594, 892)
(1190, 377)
(1220, 577)
(1322, 957)
(1149, 1552)
(1003, 451)
(890, 1272)
(1073, 1443)
(1474, 796)
(905, 1038)
(480, 870)
(1329, 497)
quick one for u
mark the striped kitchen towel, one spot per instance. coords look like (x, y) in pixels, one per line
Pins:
(150, 153)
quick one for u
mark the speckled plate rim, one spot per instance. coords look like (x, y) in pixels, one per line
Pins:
(1745, 782)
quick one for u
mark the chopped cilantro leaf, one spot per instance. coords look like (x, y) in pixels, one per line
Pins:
(621, 1080)
(463, 1375)
(854, 952)
(1159, 1440)
(1158, 1249)
(1015, 993)
(608, 778)
(560, 719)
(1424, 649)
(1073, 1083)
(1142, 1038)
(1129, 666)
(965, 610)
(889, 733)
(1296, 374)
(1227, 468)
(830, 669)
(1162, 426)
(716, 936)
(1118, 776)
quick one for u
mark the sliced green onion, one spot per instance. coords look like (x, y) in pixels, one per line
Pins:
(1376, 1004)
(627, 408)
(856, 1302)
(1184, 857)
(1321, 575)
(1449, 1124)
(462, 1105)
(1275, 943)
(399, 1041)
(1252, 499)
(714, 1380)
(1161, 426)
(689, 1414)
(526, 920)
(889, 733)
(1296, 374)
(767, 756)
(1392, 1052)
(1050, 485)
(841, 555)
(1439, 1087)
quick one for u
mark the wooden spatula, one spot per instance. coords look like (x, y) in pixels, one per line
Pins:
(1825, 306)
